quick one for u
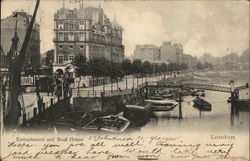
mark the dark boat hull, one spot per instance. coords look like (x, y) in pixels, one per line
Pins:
(202, 105)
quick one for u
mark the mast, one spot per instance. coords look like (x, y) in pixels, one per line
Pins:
(16, 66)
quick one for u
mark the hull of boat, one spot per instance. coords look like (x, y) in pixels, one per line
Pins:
(202, 105)
(109, 124)
(138, 115)
(156, 108)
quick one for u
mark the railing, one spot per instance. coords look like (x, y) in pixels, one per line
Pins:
(117, 93)
(241, 87)
(87, 93)
(99, 93)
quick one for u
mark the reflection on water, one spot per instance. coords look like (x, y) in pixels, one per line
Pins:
(219, 119)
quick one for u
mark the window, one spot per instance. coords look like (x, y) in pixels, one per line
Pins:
(71, 36)
(71, 25)
(71, 46)
(60, 59)
(60, 46)
(71, 57)
(82, 25)
(82, 36)
(65, 58)
(60, 36)
(60, 25)
(81, 46)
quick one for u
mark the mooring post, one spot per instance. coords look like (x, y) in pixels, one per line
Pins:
(146, 89)
(43, 106)
(232, 109)
(180, 110)
(34, 112)
(52, 110)
(231, 83)
(24, 119)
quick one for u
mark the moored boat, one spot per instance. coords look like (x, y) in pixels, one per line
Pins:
(167, 95)
(202, 105)
(110, 123)
(74, 120)
(138, 114)
(162, 105)
(85, 121)
(155, 97)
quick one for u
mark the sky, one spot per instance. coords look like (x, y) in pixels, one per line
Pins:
(200, 26)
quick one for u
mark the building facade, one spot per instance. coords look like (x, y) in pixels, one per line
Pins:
(86, 31)
(171, 53)
(147, 52)
(21, 20)
(189, 60)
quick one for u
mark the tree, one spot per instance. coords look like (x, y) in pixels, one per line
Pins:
(111, 72)
(96, 69)
(137, 66)
(199, 66)
(163, 68)
(49, 57)
(147, 68)
(81, 67)
(184, 66)
(104, 68)
(127, 69)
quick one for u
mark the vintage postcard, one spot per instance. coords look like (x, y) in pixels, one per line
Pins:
(126, 80)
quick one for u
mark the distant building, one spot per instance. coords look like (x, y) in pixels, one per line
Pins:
(189, 60)
(8, 24)
(171, 53)
(147, 52)
(85, 31)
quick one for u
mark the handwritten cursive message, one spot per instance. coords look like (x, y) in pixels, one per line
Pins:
(119, 147)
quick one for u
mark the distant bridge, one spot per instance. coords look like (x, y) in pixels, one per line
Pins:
(188, 86)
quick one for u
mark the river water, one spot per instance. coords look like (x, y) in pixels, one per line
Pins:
(217, 120)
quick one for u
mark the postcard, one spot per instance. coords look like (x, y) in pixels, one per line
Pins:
(95, 80)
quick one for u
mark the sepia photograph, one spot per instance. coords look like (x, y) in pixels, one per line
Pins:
(95, 80)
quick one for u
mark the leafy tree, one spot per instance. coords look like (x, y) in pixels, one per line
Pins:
(183, 66)
(96, 66)
(208, 66)
(147, 68)
(81, 67)
(49, 57)
(137, 66)
(127, 69)
(111, 72)
(199, 66)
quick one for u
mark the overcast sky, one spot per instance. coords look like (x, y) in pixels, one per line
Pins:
(200, 26)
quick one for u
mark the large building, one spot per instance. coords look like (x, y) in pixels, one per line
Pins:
(21, 20)
(171, 53)
(189, 60)
(147, 52)
(85, 31)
